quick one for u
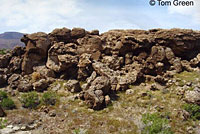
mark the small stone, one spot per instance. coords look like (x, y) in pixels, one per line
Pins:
(52, 113)
(10, 126)
(154, 87)
(129, 91)
(189, 83)
(23, 128)
(16, 128)
(107, 100)
(74, 110)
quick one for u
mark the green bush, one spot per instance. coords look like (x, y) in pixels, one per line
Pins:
(3, 95)
(49, 98)
(193, 110)
(155, 124)
(2, 123)
(8, 104)
(3, 51)
(30, 100)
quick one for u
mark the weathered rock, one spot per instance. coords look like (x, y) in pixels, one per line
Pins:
(78, 33)
(193, 96)
(94, 96)
(113, 62)
(4, 60)
(61, 57)
(94, 32)
(94, 99)
(60, 35)
(24, 86)
(37, 46)
(177, 65)
(101, 83)
(3, 80)
(158, 53)
(13, 81)
(18, 51)
(129, 91)
(40, 85)
(180, 41)
(89, 44)
(85, 66)
(107, 100)
(169, 53)
(195, 61)
(45, 71)
(104, 70)
(15, 65)
(128, 58)
(73, 86)
(186, 65)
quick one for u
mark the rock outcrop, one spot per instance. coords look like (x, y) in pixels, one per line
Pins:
(107, 62)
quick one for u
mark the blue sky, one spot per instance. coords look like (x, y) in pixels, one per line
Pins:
(30, 16)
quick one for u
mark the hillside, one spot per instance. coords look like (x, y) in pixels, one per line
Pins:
(73, 81)
(9, 40)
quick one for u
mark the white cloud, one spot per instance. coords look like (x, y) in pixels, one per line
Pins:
(193, 11)
(34, 15)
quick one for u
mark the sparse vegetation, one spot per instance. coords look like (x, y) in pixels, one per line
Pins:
(35, 76)
(156, 124)
(193, 110)
(3, 95)
(30, 100)
(6, 102)
(3, 51)
(2, 123)
(49, 98)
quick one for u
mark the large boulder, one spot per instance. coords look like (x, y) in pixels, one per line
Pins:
(37, 46)
(91, 45)
(40, 85)
(24, 85)
(73, 86)
(94, 96)
(181, 41)
(60, 35)
(62, 57)
(78, 33)
(193, 96)
(84, 66)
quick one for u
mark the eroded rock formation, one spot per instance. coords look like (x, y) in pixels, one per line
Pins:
(107, 62)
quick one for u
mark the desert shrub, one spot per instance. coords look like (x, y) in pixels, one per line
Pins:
(36, 76)
(155, 124)
(49, 98)
(6, 102)
(3, 95)
(30, 100)
(2, 123)
(193, 110)
(3, 51)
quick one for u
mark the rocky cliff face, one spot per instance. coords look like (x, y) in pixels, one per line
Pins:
(107, 62)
